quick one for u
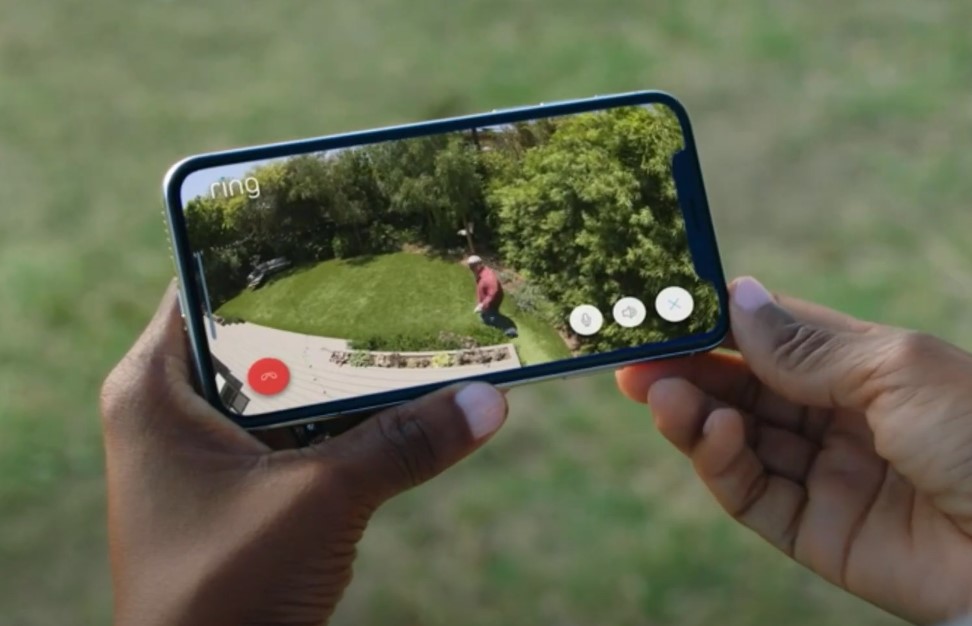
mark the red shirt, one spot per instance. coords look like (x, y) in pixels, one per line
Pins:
(489, 292)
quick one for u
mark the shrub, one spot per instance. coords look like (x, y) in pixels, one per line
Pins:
(361, 359)
(592, 216)
(529, 298)
(431, 342)
(342, 246)
(443, 359)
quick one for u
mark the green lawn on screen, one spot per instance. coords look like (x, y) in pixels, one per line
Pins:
(388, 295)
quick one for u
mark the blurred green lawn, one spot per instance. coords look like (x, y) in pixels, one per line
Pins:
(836, 139)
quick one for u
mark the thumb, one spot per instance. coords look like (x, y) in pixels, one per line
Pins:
(805, 362)
(407, 445)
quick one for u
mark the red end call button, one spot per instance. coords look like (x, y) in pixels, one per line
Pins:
(268, 377)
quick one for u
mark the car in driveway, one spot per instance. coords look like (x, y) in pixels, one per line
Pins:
(262, 272)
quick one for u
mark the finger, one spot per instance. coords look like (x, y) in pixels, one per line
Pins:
(157, 356)
(810, 313)
(149, 394)
(728, 379)
(680, 410)
(719, 442)
(278, 438)
(784, 453)
(410, 444)
(165, 335)
(819, 315)
(769, 505)
(726, 376)
(804, 362)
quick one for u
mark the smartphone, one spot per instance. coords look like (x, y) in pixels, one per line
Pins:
(335, 276)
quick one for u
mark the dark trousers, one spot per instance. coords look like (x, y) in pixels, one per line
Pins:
(492, 317)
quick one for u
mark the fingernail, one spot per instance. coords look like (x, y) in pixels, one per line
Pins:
(483, 407)
(711, 422)
(749, 295)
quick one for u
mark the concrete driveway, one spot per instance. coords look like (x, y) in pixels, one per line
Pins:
(314, 378)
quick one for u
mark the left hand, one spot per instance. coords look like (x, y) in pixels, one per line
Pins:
(209, 525)
(478, 309)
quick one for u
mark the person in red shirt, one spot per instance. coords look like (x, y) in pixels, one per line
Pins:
(489, 291)
(489, 296)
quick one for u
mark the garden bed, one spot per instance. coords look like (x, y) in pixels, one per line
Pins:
(422, 360)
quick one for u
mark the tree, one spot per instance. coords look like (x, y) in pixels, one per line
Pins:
(210, 226)
(584, 206)
(592, 216)
(355, 201)
(433, 186)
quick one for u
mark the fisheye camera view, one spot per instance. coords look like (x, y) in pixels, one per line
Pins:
(356, 271)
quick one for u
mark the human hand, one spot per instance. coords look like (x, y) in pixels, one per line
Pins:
(478, 309)
(845, 444)
(209, 525)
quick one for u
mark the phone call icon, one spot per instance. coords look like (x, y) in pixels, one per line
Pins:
(268, 377)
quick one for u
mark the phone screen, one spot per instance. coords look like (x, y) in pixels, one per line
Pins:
(394, 264)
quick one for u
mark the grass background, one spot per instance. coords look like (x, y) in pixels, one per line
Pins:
(835, 138)
(400, 294)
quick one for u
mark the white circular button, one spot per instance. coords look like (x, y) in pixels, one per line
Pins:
(586, 320)
(630, 312)
(674, 304)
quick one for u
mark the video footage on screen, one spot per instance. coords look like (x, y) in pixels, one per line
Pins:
(352, 272)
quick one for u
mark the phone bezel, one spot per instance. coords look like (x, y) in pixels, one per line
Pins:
(699, 230)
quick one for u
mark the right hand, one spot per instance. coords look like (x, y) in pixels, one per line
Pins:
(845, 444)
